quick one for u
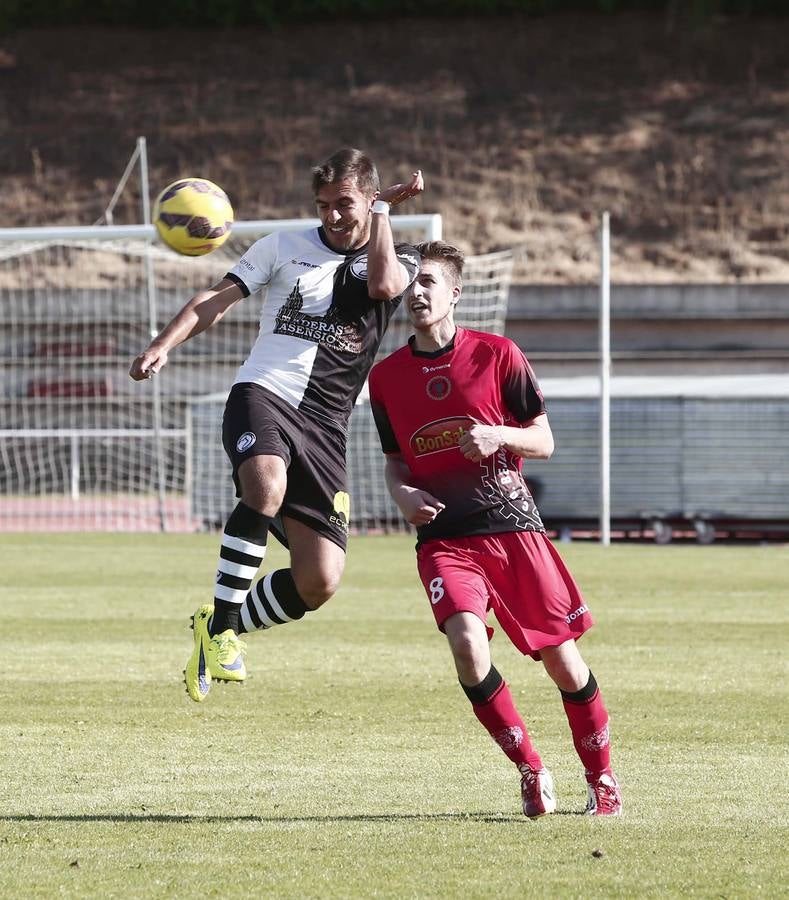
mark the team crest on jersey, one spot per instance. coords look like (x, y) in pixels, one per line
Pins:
(443, 434)
(341, 516)
(439, 387)
(359, 267)
(328, 330)
(246, 440)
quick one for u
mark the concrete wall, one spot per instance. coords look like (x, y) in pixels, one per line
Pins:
(704, 329)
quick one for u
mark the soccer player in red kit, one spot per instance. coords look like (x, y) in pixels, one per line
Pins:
(457, 411)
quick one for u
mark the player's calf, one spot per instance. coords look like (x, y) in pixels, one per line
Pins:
(273, 600)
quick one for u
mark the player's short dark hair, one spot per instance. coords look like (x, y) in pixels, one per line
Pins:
(347, 163)
(450, 258)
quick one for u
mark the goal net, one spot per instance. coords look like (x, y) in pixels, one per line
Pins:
(82, 446)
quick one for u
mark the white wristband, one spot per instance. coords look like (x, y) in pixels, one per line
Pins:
(381, 206)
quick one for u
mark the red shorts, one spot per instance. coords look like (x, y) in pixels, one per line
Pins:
(518, 575)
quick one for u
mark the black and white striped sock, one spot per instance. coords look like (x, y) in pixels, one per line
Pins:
(242, 551)
(274, 600)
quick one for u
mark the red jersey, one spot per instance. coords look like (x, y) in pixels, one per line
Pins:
(424, 402)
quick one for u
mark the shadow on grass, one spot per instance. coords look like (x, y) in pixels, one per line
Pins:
(208, 820)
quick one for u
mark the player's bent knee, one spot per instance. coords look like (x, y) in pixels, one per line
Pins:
(263, 484)
(315, 598)
(265, 504)
(566, 667)
(316, 588)
(472, 660)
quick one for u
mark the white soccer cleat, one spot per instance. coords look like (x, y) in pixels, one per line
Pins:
(604, 797)
(537, 792)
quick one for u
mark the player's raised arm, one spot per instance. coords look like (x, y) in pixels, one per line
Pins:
(201, 312)
(387, 277)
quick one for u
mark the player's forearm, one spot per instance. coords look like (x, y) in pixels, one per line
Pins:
(187, 323)
(419, 507)
(386, 276)
(396, 476)
(534, 441)
(201, 312)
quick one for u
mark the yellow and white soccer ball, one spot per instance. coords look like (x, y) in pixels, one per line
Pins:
(193, 216)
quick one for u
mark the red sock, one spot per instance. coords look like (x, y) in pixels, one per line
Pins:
(505, 726)
(589, 724)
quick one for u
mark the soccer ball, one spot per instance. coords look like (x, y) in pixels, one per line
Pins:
(193, 216)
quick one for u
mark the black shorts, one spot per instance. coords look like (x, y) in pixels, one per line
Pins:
(257, 422)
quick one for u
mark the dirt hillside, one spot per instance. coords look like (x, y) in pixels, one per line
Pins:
(526, 129)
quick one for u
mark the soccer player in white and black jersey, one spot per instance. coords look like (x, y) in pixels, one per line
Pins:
(329, 295)
(457, 411)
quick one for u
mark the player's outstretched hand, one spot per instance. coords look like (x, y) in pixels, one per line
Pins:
(397, 193)
(147, 364)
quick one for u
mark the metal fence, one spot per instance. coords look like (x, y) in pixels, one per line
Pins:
(683, 450)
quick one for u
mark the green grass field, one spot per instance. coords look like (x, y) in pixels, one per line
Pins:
(350, 764)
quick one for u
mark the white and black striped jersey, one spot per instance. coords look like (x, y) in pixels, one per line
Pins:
(319, 328)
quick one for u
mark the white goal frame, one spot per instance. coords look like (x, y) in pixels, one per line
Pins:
(51, 448)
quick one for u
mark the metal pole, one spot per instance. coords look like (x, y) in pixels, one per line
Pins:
(188, 465)
(75, 467)
(107, 216)
(605, 381)
(153, 328)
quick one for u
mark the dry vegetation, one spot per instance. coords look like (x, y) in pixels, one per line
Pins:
(526, 129)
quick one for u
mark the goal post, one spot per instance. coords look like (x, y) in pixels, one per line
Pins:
(82, 446)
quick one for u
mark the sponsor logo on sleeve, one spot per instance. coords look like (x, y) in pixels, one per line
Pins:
(246, 440)
(409, 257)
(359, 267)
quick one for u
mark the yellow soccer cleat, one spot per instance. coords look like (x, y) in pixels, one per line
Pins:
(197, 674)
(226, 657)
